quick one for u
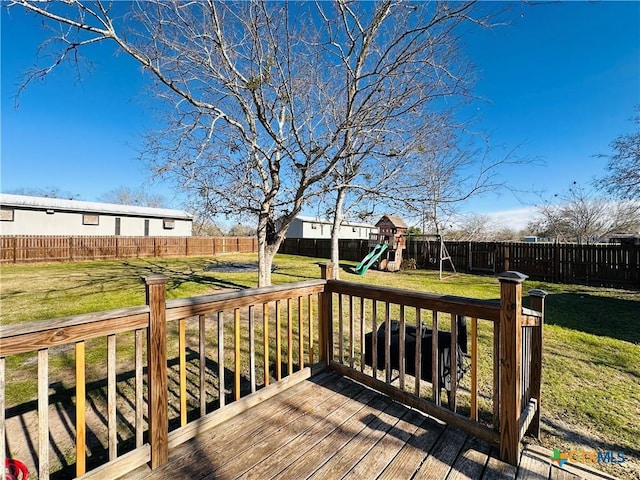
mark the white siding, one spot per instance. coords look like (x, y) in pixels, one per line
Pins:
(38, 222)
(314, 228)
(26, 215)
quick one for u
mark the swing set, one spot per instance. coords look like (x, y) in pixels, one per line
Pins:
(440, 256)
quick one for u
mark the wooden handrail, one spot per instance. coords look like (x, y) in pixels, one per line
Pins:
(30, 336)
(188, 307)
(467, 307)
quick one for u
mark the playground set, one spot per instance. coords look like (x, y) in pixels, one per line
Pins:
(387, 246)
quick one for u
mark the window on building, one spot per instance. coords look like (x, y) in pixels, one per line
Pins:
(168, 224)
(88, 219)
(117, 226)
(146, 228)
(6, 215)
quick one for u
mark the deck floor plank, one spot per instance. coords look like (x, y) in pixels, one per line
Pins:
(271, 466)
(498, 470)
(198, 457)
(413, 453)
(379, 457)
(438, 464)
(341, 436)
(533, 468)
(377, 425)
(268, 446)
(472, 460)
(331, 427)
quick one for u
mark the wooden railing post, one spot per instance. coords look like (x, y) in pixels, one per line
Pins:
(157, 369)
(537, 303)
(325, 333)
(510, 364)
(326, 271)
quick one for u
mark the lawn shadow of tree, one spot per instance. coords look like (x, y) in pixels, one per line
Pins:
(617, 318)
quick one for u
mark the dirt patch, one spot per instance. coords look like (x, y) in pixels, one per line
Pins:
(234, 267)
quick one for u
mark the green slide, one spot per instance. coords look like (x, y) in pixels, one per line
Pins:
(371, 258)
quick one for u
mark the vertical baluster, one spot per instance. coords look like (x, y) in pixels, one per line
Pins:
(496, 374)
(474, 369)
(237, 368)
(374, 338)
(43, 414)
(453, 364)
(310, 319)
(387, 342)
(111, 397)
(418, 357)
(289, 338)
(202, 342)
(80, 410)
(182, 348)
(362, 328)
(221, 387)
(252, 350)
(401, 349)
(265, 341)
(139, 366)
(352, 349)
(300, 335)
(435, 360)
(340, 331)
(278, 341)
(3, 446)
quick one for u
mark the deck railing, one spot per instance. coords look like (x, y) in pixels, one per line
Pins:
(207, 358)
(177, 367)
(495, 382)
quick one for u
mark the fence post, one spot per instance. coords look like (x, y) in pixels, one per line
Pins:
(556, 262)
(506, 253)
(537, 303)
(510, 364)
(157, 369)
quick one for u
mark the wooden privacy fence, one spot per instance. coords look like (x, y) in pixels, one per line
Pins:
(175, 368)
(606, 265)
(19, 249)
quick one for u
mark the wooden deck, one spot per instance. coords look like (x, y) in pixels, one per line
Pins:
(330, 427)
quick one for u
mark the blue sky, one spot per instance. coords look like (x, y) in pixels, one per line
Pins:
(561, 82)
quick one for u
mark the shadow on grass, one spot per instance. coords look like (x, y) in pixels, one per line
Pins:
(565, 432)
(617, 318)
(178, 277)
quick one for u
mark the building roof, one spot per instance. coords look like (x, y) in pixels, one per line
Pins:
(45, 203)
(330, 222)
(395, 220)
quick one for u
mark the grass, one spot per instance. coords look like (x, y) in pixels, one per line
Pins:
(591, 358)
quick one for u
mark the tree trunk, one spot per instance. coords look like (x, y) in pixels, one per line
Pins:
(335, 234)
(268, 245)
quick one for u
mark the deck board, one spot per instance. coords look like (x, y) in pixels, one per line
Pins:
(330, 427)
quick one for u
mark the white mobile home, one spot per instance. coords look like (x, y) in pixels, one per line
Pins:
(310, 227)
(26, 215)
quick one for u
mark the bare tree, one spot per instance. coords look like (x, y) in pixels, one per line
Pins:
(50, 192)
(579, 216)
(265, 99)
(450, 168)
(203, 227)
(239, 230)
(131, 196)
(473, 228)
(623, 166)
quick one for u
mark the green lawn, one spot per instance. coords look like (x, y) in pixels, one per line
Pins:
(591, 358)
